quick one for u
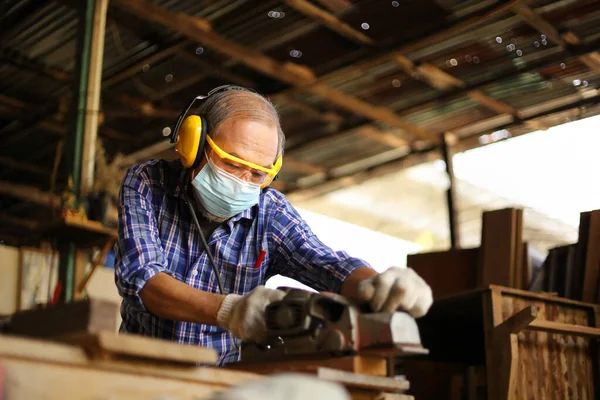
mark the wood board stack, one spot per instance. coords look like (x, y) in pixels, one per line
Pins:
(573, 271)
(505, 343)
(81, 337)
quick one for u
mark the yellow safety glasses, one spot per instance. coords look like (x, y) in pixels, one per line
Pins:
(244, 169)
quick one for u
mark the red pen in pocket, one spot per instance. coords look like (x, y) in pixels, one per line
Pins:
(260, 259)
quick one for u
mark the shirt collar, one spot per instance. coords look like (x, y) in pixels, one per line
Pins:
(246, 214)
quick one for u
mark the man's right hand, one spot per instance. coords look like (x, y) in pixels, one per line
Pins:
(244, 316)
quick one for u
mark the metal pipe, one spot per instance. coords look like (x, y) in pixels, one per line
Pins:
(75, 139)
(450, 193)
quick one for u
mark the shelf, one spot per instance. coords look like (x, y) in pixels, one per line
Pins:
(82, 233)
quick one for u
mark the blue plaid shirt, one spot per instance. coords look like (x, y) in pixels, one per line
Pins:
(157, 234)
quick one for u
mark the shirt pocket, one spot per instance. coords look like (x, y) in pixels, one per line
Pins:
(241, 272)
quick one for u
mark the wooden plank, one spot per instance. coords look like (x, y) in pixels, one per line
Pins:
(373, 366)
(359, 394)
(112, 345)
(592, 260)
(65, 382)
(79, 317)
(55, 354)
(329, 20)
(567, 329)
(548, 298)
(581, 256)
(526, 268)
(351, 379)
(436, 268)
(498, 247)
(569, 282)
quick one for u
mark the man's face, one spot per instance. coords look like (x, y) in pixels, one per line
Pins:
(249, 140)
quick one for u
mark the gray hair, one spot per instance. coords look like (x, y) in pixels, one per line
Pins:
(241, 104)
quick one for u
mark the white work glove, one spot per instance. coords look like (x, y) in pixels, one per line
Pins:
(244, 316)
(397, 289)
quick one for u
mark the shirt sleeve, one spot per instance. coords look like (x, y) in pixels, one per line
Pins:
(138, 252)
(301, 255)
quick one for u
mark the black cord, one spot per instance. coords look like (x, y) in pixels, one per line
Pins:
(205, 245)
(186, 178)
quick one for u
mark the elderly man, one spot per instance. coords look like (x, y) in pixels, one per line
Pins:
(252, 232)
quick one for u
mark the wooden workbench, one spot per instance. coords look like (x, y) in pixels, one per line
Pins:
(112, 366)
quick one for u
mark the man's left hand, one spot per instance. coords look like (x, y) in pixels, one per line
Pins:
(397, 289)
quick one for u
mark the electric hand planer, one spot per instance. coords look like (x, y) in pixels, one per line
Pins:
(310, 325)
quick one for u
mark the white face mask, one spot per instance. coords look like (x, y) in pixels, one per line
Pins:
(223, 194)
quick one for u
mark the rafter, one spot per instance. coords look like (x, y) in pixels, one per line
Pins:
(432, 75)
(591, 60)
(24, 166)
(27, 223)
(329, 20)
(336, 6)
(29, 193)
(539, 23)
(333, 182)
(292, 74)
(137, 67)
(18, 60)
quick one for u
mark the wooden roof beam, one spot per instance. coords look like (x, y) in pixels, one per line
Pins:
(29, 193)
(327, 117)
(137, 67)
(24, 166)
(434, 76)
(401, 162)
(26, 223)
(591, 60)
(336, 6)
(292, 74)
(329, 20)
(539, 23)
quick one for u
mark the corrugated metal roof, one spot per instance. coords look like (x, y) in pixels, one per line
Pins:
(503, 57)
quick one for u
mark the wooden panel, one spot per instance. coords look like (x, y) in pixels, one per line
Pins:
(499, 247)
(518, 255)
(592, 260)
(550, 365)
(580, 258)
(447, 272)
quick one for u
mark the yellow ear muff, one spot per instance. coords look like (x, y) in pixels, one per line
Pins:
(188, 140)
